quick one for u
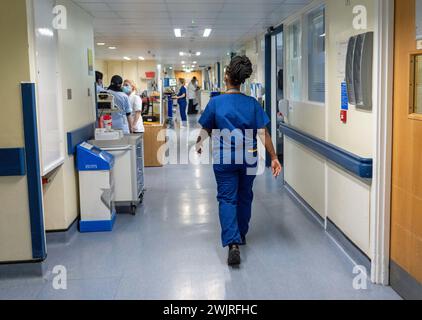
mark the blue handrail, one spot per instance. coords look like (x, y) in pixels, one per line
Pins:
(12, 162)
(76, 137)
(362, 167)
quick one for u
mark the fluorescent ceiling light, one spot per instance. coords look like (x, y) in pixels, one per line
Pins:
(198, 53)
(141, 58)
(181, 53)
(112, 48)
(100, 44)
(127, 58)
(207, 33)
(183, 62)
(46, 32)
(178, 33)
(195, 62)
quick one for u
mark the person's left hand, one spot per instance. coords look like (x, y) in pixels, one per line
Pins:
(276, 168)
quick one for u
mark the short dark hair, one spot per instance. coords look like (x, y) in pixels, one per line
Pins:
(239, 70)
(116, 83)
(98, 76)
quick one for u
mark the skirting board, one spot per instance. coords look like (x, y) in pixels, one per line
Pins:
(24, 269)
(62, 236)
(404, 284)
(348, 246)
(337, 235)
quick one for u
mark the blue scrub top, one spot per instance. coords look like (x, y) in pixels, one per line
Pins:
(182, 91)
(238, 118)
(121, 100)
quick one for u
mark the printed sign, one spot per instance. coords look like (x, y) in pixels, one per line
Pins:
(344, 97)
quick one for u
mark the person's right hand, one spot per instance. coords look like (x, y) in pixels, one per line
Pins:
(276, 167)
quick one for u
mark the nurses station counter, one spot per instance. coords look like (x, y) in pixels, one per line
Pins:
(128, 153)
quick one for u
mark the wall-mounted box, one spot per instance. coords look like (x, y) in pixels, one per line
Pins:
(359, 63)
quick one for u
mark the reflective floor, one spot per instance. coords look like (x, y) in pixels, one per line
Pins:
(171, 250)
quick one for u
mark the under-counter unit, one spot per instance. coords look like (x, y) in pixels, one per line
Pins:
(128, 170)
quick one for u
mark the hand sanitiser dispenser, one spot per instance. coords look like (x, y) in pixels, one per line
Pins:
(359, 62)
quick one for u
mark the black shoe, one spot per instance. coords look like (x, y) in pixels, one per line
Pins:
(234, 255)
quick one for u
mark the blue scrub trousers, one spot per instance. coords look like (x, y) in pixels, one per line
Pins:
(235, 198)
(182, 106)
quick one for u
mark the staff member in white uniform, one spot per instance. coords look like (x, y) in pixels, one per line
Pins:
(192, 90)
(129, 87)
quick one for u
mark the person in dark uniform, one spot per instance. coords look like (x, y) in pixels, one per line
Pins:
(238, 114)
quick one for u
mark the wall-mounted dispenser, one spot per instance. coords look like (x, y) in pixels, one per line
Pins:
(359, 62)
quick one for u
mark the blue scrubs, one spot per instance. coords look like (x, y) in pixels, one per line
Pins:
(121, 100)
(182, 103)
(238, 114)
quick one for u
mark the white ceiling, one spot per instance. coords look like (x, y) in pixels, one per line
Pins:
(136, 27)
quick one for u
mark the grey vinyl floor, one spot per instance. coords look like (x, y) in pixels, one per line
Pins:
(171, 250)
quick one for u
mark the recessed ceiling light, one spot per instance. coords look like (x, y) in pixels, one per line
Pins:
(183, 62)
(198, 53)
(181, 53)
(195, 62)
(100, 44)
(207, 32)
(112, 48)
(127, 58)
(178, 33)
(170, 68)
(141, 58)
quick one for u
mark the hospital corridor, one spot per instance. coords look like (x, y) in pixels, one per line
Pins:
(234, 151)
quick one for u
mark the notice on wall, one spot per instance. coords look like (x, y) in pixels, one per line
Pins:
(344, 97)
(90, 62)
(341, 58)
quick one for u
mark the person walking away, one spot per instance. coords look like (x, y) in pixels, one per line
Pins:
(238, 115)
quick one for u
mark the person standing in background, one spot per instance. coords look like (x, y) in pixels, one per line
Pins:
(192, 90)
(129, 87)
(181, 100)
(121, 119)
(99, 81)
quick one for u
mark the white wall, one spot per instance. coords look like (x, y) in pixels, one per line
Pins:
(331, 191)
(61, 196)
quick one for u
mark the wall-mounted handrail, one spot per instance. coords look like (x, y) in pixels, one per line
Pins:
(12, 162)
(362, 167)
(78, 136)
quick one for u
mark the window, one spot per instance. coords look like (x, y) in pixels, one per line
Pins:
(416, 84)
(294, 61)
(316, 55)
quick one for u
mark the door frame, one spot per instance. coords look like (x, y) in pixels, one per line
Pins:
(383, 127)
(270, 79)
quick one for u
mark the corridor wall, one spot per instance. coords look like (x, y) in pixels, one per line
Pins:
(15, 229)
(330, 190)
(61, 193)
(132, 70)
